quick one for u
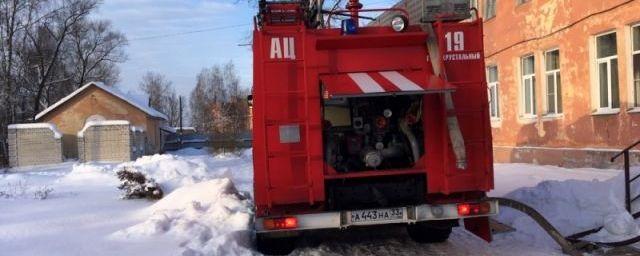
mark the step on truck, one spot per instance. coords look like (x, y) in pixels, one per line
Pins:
(360, 123)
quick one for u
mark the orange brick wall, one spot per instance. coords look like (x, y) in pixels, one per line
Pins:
(570, 26)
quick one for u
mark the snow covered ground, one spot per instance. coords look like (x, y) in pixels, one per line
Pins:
(74, 209)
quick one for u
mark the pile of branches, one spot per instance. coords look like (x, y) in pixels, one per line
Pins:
(136, 185)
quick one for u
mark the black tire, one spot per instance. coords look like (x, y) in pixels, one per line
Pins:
(275, 245)
(425, 233)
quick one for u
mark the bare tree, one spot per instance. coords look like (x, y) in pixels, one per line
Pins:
(15, 15)
(47, 49)
(155, 85)
(97, 47)
(48, 38)
(218, 104)
(200, 103)
(237, 109)
(162, 95)
(172, 108)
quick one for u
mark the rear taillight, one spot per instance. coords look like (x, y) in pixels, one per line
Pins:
(280, 223)
(471, 209)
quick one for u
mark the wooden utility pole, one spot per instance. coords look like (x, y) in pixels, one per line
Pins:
(180, 101)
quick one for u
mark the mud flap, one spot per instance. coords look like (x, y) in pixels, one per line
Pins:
(479, 227)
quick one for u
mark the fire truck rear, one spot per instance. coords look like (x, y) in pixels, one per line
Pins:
(369, 125)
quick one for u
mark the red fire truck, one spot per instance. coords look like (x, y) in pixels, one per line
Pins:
(369, 125)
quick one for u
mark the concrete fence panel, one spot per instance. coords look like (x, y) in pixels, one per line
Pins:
(34, 144)
(108, 141)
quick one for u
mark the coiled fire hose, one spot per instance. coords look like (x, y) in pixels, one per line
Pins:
(571, 245)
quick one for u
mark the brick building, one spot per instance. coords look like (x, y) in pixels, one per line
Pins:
(95, 102)
(563, 78)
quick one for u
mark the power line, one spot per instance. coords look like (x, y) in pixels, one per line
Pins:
(217, 28)
(187, 32)
(393, 2)
(558, 30)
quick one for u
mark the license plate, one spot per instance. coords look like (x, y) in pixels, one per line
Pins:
(377, 215)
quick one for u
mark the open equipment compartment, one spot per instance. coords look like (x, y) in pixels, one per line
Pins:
(373, 133)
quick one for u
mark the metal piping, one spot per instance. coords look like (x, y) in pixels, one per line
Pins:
(354, 7)
(404, 127)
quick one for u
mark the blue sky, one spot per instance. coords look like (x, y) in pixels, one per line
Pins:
(162, 37)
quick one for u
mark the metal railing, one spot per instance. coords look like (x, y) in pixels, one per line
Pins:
(627, 176)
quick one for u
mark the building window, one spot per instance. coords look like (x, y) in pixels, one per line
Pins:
(489, 9)
(635, 31)
(494, 101)
(553, 84)
(607, 70)
(473, 4)
(528, 86)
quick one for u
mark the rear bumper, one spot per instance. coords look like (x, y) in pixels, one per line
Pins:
(342, 219)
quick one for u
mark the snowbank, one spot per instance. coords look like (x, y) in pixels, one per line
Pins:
(137, 129)
(247, 154)
(207, 211)
(202, 213)
(571, 206)
(171, 171)
(202, 208)
(192, 152)
(209, 218)
(190, 166)
(90, 175)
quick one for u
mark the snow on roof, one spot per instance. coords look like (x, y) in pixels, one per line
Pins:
(56, 134)
(115, 92)
(168, 129)
(137, 129)
(101, 123)
(188, 128)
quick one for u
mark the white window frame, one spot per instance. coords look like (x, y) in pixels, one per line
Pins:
(556, 78)
(606, 60)
(635, 103)
(473, 4)
(523, 82)
(487, 9)
(494, 95)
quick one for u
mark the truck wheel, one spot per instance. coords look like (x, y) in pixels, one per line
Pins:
(275, 245)
(425, 233)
